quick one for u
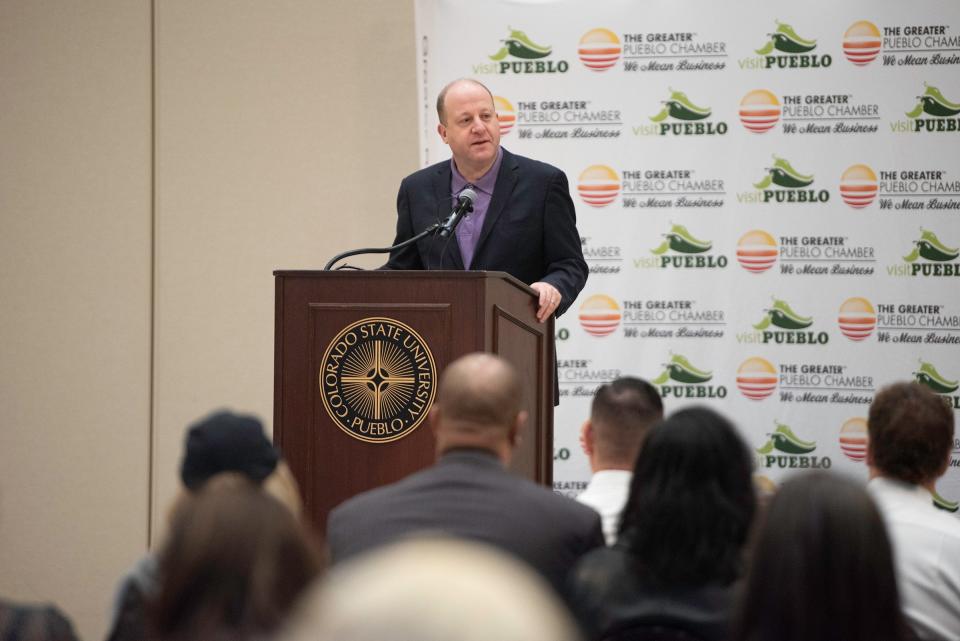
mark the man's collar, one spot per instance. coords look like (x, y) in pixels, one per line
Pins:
(485, 183)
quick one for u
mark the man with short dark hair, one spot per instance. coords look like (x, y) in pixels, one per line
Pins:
(620, 415)
(469, 493)
(911, 437)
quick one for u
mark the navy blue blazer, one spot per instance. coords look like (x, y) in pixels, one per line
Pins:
(530, 229)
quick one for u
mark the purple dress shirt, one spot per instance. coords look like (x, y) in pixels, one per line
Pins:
(468, 231)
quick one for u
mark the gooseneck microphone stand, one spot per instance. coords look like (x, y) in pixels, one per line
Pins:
(446, 228)
(382, 250)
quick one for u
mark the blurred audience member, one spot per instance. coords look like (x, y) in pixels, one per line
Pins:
(19, 622)
(234, 563)
(821, 569)
(621, 414)
(469, 492)
(679, 549)
(432, 590)
(911, 433)
(220, 442)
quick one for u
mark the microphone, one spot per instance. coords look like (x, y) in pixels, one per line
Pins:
(464, 205)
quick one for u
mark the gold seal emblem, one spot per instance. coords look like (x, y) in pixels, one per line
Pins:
(377, 380)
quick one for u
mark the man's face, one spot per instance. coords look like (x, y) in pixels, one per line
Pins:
(471, 129)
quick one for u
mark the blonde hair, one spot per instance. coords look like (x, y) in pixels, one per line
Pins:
(432, 589)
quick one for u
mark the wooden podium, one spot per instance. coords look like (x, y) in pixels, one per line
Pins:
(357, 361)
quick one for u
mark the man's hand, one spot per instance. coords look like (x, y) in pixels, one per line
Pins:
(549, 300)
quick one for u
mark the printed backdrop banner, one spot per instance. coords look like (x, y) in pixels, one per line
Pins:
(768, 200)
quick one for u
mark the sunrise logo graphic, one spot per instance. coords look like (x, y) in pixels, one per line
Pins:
(857, 318)
(506, 114)
(599, 49)
(598, 185)
(858, 186)
(756, 378)
(853, 439)
(861, 43)
(757, 251)
(759, 111)
(600, 315)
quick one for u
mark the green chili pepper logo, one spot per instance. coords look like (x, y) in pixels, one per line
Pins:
(928, 376)
(783, 174)
(785, 39)
(782, 316)
(944, 504)
(680, 240)
(679, 369)
(933, 103)
(930, 247)
(519, 45)
(678, 106)
(784, 440)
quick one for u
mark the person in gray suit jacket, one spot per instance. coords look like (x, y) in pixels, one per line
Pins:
(468, 492)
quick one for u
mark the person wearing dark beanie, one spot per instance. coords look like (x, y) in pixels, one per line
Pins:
(226, 442)
(220, 442)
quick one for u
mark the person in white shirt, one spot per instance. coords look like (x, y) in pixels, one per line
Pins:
(621, 414)
(910, 441)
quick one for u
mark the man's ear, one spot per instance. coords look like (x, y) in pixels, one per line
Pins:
(516, 430)
(433, 420)
(586, 437)
(442, 130)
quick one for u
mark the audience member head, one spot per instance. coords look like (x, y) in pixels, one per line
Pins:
(691, 501)
(620, 415)
(432, 590)
(227, 442)
(821, 568)
(911, 434)
(233, 564)
(478, 406)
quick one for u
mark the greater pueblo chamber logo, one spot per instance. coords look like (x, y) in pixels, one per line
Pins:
(561, 119)
(650, 188)
(377, 380)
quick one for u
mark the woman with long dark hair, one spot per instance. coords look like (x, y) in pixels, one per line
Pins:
(235, 562)
(822, 568)
(682, 532)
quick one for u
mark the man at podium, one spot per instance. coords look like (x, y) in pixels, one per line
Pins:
(523, 220)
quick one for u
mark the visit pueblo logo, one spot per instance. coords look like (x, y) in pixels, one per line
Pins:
(784, 449)
(521, 55)
(784, 184)
(680, 379)
(938, 258)
(786, 49)
(679, 116)
(688, 252)
(933, 113)
(783, 326)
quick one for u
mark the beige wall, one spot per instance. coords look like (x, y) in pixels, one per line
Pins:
(281, 131)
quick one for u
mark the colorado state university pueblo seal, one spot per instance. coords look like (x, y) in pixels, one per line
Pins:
(377, 380)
